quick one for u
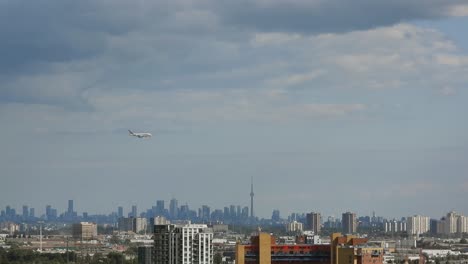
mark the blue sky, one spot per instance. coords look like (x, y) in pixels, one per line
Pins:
(330, 105)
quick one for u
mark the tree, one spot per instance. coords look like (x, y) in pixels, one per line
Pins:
(463, 241)
(218, 258)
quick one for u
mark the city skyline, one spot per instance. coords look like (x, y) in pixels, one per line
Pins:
(313, 99)
(41, 211)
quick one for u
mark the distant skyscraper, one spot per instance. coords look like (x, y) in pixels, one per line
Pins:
(134, 211)
(275, 216)
(160, 207)
(120, 211)
(251, 200)
(47, 209)
(314, 222)
(70, 207)
(348, 222)
(173, 208)
(25, 212)
(232, 211)
(31, 213)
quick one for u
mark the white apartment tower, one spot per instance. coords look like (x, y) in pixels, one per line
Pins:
(416, 225)
(453, 223)
(183, 244)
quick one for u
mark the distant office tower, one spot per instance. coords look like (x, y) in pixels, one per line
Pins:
(84, 230)
(173, 209)
(205, 213)
(183, 244)
(120, 211)
(160, 208)
(48, 211)
(232, 211)
(275, 216)
(31, 213)
(226, 213)
(25, 212)
(251, 200)
(314, 222)
(70, 207)
(134, 212)
(348, 222)
(51, 213)
(417, 224)
(145, 255)
(245, 212)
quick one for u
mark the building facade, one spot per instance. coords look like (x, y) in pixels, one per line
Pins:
(343, 250)
(314, 222)
(84, 230)
(183, 244)
(349, 223)
(417, 224)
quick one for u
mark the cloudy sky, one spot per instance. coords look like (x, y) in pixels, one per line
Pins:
(331, 105)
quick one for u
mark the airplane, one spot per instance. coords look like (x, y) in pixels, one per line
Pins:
(140, 135)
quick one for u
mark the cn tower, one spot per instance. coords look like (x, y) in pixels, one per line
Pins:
(251, 200)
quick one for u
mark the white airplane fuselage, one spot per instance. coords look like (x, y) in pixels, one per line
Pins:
(140, 135)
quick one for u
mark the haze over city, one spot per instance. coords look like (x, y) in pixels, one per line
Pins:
(328, 108)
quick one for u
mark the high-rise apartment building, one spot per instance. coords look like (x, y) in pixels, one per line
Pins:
(294, 226)
(120, 211)
(417, 224)
(349, 223)
(183, 244)
(394, 226)
(450, 223)
(314, 222)
(453, 223)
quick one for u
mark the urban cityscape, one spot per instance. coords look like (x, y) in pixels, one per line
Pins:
(173, 233)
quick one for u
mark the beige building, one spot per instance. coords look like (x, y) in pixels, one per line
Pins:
(416, 225)
(84, 230)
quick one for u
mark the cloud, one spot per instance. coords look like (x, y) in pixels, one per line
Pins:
(191, 62)
(336, 16)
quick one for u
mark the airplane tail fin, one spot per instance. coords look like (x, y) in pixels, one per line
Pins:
(130, 132)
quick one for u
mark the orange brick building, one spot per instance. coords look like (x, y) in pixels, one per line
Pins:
(342, 250)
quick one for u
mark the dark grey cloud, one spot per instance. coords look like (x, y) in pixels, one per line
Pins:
(329, 16)
(55, 31)
(53, 51)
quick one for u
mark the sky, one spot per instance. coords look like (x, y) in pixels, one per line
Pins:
(330, 105)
